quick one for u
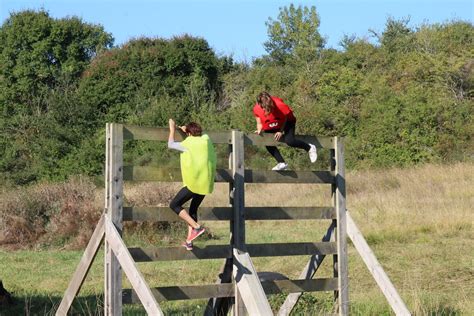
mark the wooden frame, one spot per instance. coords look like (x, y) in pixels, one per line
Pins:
(248, 291)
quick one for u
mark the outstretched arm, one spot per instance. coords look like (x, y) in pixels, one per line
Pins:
(279, 134)
(259, 126)
(171, 143)
(172, 125)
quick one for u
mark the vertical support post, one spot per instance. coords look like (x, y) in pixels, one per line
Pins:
(238, 199)
(333, 236)
(114, 205)
(341, 232)
(221, 305)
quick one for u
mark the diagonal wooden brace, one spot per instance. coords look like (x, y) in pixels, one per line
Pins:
(128, 265)
(249, 285)
(82, 268)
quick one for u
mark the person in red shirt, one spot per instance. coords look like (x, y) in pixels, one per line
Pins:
(274, 116)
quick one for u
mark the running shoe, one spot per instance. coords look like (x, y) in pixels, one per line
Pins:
(187, 245)
(281, 166)
(196, 232)
(313, 155)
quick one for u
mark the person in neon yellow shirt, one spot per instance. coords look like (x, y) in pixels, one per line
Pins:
(198, 170)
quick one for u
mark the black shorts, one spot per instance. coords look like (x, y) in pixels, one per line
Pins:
(182, 197)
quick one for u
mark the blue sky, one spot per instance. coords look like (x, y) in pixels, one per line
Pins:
(238, 27)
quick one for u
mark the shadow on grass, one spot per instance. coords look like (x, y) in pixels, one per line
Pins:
(32, 304)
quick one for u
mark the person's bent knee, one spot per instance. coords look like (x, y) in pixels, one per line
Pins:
(290, 142)
(176, 207)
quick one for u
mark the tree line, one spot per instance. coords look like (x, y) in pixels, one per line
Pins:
(404, 98)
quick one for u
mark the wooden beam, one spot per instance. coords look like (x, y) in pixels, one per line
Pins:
(249, 286)
(82, 268)
(238, 232)
(191, 292)
(288, 176)
(133, 274)
(268, 140)
(131, 132)
(341, 240)
(384, 283)
(165, 214)
(308, 272)
(238, 229)
(221, 305)
(113, 272)
(137, 173)
(224, 251)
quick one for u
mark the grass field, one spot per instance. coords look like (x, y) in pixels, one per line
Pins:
(419, 223)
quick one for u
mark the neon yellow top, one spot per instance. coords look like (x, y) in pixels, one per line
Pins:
(198, 164)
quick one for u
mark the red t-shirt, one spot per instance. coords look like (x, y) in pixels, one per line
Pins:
(275, 119)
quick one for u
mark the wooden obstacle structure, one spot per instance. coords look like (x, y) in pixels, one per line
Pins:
(238, 288)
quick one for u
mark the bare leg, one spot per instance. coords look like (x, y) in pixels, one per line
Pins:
(188, 219)
(189, 232)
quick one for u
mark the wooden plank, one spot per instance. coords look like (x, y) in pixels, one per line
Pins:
(257, 176)
(165, 214)
(191, 292)
(374, 267)
(268, 140)
(138, 173)
(113, 271)
(224, 251)
(107, 203)
(133, 274)
(238, 232)
(131, 132)
(308, 272)
(217, 305)
(238, 229)
(248, 285)
(341, 240)
(82, 268)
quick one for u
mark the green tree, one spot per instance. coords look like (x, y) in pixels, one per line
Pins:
(294, 34)
(41, 61)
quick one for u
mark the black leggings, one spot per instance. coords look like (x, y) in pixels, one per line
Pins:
(289, 139)
(182, 197)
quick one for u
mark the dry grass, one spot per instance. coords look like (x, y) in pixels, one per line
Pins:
(419, 223)
(61, 214)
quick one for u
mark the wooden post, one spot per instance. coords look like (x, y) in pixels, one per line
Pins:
(114, 200)
(341, 232)
(333, 236)
(249, 294)
(238, 203)
(220, 306)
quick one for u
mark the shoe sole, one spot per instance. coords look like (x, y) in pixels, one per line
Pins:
(186, 247)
